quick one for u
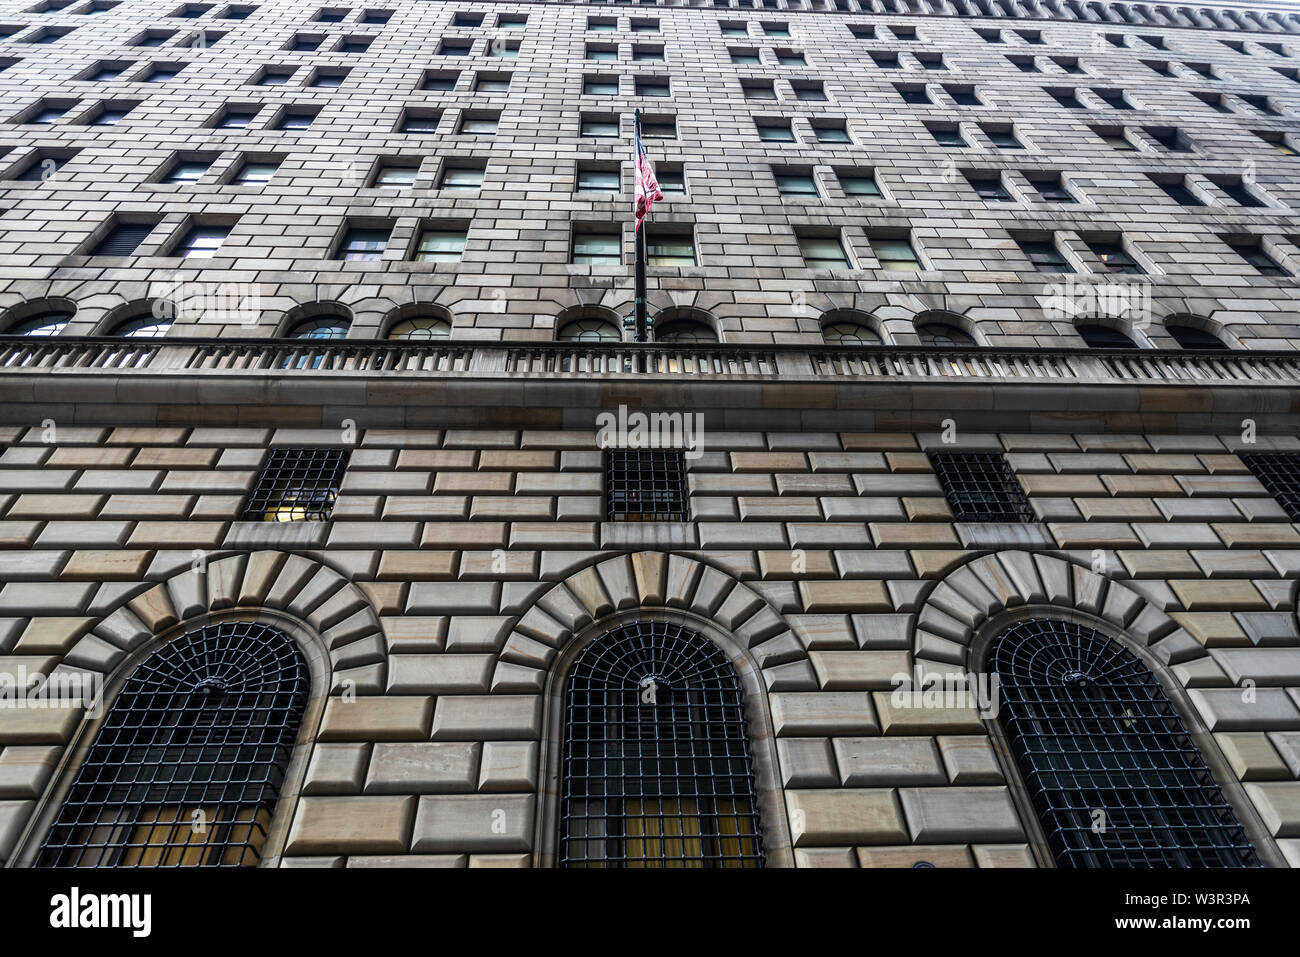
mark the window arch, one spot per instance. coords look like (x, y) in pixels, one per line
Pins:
(589, 330)
(942, 334)
(1093, 733)
(420, 327)
(46, 324)
(320, 327)
(1104, 337)
(684, 330)
(187, 766)
(1191, 337)
(657, 767)
(844, 327)
(142, 327)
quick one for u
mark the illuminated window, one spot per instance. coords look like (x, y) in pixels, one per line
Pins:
(297, 485)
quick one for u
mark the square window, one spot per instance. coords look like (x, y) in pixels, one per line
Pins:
(355, 44)
(812, 92)
(980, 487)
(744, 57)
(1052, 189)
(734, 29)
(912, 93)
(234, 119)
(501, 48)
(187, 171)
(648, 54)
(598, 180)
(775, 132)
(796, 184)
(1177, 191)
(666, 249)
(989, 188)
(123, 239)
(1115, 257)
(1044, 256)
(644, 485)
(492, 83)
(275, 77)
(1003, 139)
(776, 29)
(455, 47)
(400, 175)
(328, 79)
(665, 129)
(790, 58)
(600, 86)
(895, 254)
(597, 248)
(420, 123)
(1253, 252)
(859, 184)
(643, 25)
(758, 90)
(1066, 98)
(652, 87)
(461, 178)
(947, 136)
(505, 22)
(297, 485)
(439, 80)
(296, 120)
(440, 246)
(467, 20)
(201, 242)
(478, 125)
(602, 24)
(823, 252)
(671, 180)
(255, 172)
(600, 127)
(963, 95)
(377, 17)
(364, 245)
(831, 133)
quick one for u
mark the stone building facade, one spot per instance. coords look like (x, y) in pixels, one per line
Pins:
(1050, 238)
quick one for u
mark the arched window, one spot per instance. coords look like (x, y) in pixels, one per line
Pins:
(841, 330)
(320, 327)
(1104, 337)
(141, 327)
(684, 330)
(1115, 779)
(317, 327)
(421, 327)
(187, 766)
(657, 769)
(1189, 337)
(48, 324)
(938, 334)
(588, 330)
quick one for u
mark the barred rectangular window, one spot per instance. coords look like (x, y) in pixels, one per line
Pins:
(643, 485)
(1279, 472)
(297, 485)
(980, 487)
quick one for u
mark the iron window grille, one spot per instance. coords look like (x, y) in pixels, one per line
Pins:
(188, 765)
(643, 485)
(1279, 472)
(981, 487)
(657, 767)
(1115, 779)
(297, 485)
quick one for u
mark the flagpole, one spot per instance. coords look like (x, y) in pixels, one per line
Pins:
(639, 330)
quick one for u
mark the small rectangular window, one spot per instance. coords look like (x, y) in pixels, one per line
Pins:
(1044, 255)
(1253, 252)
(478, 125)
(593, 248)
(988, 186)
(364, 245)
(795, 184)
(947, 136)
(414, 122)
(201, 242)
(440, 245)
(492, 83)
(187, 171)
(980, 487)
(439, 80)
(254, 172)
(598, 180)
(123, 239)
(461, 177)
(669, 249)
(601, 127)
(1051, 188)
(775, 132)
(1178, 191)
(297, 485)
(1115, 257)
(831, 132)
(644, 485)
(855, 183)
(895, 254)
(400, 175)
(600, 86)
(823, 252)
(1004, 137)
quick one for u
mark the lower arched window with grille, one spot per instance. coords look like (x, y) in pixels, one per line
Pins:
(1115, 779)
(187, 766)
(657, 768)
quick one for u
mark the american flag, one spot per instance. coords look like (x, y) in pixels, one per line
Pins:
(647, 186)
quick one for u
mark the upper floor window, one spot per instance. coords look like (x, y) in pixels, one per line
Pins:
(1279, 473)
(203, 730)
(49, 324)
(1091, 728)
(644, 485)
(1189, 337)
